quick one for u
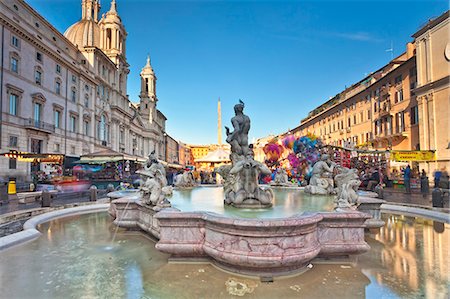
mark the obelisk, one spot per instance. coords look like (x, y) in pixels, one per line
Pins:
(219, 124)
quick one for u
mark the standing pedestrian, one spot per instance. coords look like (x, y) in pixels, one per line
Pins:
(437, 177)
(424, 184)
(407, 179)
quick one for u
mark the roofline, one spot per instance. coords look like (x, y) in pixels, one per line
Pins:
(431, 23)
(393, 61)
(47, 23)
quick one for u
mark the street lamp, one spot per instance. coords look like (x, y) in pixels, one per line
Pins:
(165, 147)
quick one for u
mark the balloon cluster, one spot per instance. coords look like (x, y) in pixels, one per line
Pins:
(273, 152)
(303, 152)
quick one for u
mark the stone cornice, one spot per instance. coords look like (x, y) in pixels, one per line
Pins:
(432, 85)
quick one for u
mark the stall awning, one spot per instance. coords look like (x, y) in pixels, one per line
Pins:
(107, 155)
(98, 160)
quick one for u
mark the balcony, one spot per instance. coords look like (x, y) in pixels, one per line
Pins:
(39, 125)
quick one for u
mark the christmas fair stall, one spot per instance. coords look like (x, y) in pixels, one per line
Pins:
(44, 168)
(400, 159)
(107, 167)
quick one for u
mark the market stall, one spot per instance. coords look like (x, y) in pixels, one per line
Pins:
(107, 167)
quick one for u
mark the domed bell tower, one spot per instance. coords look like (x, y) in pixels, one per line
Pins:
(90, 9)
(113, 42)
(148, 92)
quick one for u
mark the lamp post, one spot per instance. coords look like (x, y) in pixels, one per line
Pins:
(165, 147)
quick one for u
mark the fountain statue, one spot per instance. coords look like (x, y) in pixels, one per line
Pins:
(185, 180)
(154, 188)
(321, 181)
(241, 186)
(347, 184)
(281, 178)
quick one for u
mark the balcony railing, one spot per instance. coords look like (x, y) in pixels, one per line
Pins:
(39, 125)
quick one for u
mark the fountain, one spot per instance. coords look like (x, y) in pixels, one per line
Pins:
(264, 247)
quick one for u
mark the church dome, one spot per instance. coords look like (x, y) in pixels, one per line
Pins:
(84, 33)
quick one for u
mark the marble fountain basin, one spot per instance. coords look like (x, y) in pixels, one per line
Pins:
(264, 247)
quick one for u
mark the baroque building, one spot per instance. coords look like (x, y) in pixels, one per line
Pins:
(433, 90)
(405, 105)
(67, 93)
(378, 112)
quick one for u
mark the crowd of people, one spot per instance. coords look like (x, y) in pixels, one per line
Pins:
(373, 177)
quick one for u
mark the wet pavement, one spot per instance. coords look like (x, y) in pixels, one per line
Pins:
(61, 199)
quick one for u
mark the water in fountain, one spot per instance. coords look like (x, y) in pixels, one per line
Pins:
(408, 260)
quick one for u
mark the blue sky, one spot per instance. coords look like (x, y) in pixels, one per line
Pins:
(282, 58)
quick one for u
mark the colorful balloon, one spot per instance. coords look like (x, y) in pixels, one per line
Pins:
(273, 151)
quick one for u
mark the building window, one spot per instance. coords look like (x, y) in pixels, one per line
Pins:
(38, 77)
(398, 79)
(15, 42)
(102, 128)
(399, 96)
(14, 65)
(86, 127)
(377, 92)
(122, 136)
(375, 107)
(354, 119)
(57, 147)
(39, 56)
(361, 116)
(414, 115)
(413, 71)
(72, 149)
(73, 123)
(349, 122)
(368, 114)
(73, 95)
(58, 87)
(86, 101)
(12, 163)
(400, 122)
(37, 111)
(13, 104)
(58, 69)
(57, 116)
(74, 79)
(13, 141)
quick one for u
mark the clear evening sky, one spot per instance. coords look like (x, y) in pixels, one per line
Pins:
(282, 58)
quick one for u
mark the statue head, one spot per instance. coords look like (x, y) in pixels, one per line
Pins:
(239, 107)
(324, 157)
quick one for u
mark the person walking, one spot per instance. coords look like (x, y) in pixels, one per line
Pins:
(407, 179)
(424, 184)
(437, 177)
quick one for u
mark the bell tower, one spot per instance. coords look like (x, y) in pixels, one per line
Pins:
(148, 92)
(90, 9)
(113, 43)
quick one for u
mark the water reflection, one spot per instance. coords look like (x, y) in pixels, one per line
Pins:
(413, 257)
(408, 259)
